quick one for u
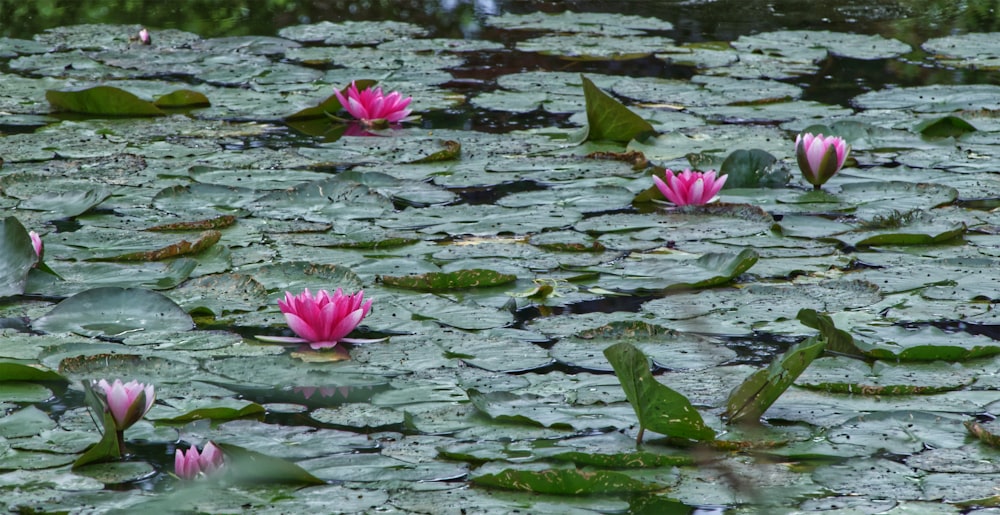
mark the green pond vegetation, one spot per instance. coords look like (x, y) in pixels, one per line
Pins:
(558, 339)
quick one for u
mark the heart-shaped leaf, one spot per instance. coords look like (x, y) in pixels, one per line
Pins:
(658, 407)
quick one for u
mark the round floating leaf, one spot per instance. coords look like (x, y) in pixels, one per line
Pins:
(448, 281)
(114, 311)
(874, 477)
(545, 479)
(549, 411)
(118, 472)
(28, 421)
(852, 376)
(656, 272)
(68, 203)
(102, 100)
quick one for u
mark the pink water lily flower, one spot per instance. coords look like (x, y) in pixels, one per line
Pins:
(36, 242)
(820, 157)
(144, 37)
(127, 402)
(324, 319)
(689, 188)
(372, 106)
(191, 464)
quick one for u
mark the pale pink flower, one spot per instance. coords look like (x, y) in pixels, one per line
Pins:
(324, 319)
(36, 242)
(144, 37)
(371, 105)
(820, 157)
(127, 402)
(689, 188)
(190, 464)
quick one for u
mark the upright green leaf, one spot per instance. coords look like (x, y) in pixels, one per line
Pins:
(944, 127)
(21, 372)
(837, 340)
(17, 258)
(448, 281)
(748, 401)
(246, 466)
(564, 481)
(658, 407)
(102, 100)
(104, 450)
(609, 120)
(753, 168)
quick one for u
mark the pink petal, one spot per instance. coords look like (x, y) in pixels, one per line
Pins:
(301, 327)
(345, 326)
(281, 339)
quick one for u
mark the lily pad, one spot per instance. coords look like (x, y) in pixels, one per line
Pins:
(560, 480)
(114, 312)
(102, 100)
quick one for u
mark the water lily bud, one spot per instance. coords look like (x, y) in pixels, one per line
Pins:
(36, 242)
(820, 157)
(127, 402)
(191, 464)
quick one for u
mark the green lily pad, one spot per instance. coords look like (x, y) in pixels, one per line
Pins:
(560, 480)
(441, 282)
(845, 375)
(102, 100)
(114, 312)
(67, 204)
(548, 411)
(969, 50)
(651, 272)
